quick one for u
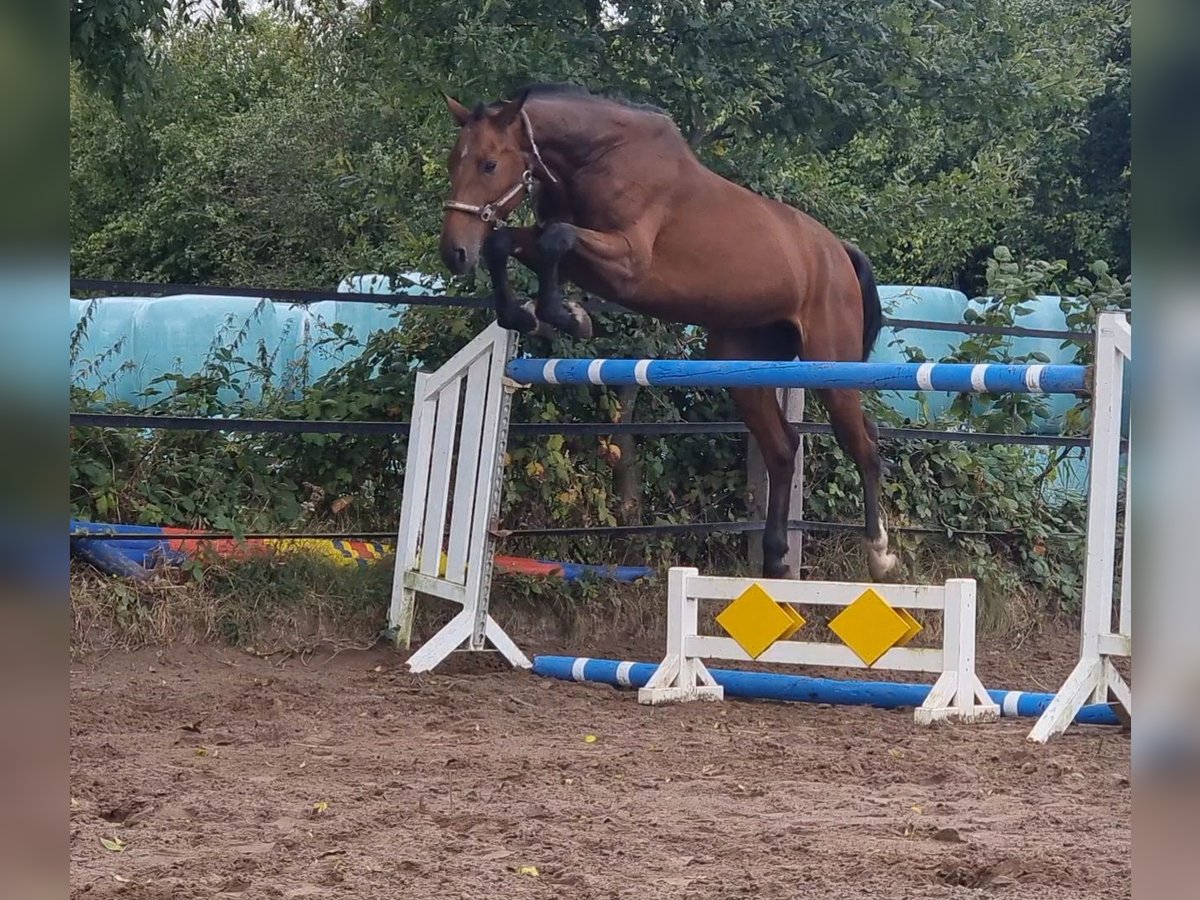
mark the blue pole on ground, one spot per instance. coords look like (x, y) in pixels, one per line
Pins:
(803, 689)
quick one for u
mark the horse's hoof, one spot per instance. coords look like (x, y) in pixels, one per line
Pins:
(522, 320)
(880, 561)
(882, 565)
(570, 318)
(579, 323)
(543, 329)
(778, 570)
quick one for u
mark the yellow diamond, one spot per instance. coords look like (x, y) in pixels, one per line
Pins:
(870, 627)
(914, 627)
(797, 621)
(756, 621)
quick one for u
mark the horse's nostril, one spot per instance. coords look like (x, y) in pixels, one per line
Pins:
(460, 256)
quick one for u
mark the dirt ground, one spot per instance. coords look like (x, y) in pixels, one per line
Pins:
(224, 775)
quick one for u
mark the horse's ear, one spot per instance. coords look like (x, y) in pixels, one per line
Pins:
(459, 112)
(509, 112)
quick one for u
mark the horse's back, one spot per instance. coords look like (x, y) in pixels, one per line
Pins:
(744, 246)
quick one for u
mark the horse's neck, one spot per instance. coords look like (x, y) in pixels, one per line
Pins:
(570, 136)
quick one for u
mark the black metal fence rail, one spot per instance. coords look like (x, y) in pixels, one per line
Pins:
(293, 295)
(298, 426)
(540, 429)
(618, 531)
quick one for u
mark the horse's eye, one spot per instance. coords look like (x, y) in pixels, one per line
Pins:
(489, 166)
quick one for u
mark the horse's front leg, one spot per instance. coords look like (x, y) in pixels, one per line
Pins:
(554, 242)
(500, 245)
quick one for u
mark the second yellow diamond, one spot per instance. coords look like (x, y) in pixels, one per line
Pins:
(870, 627)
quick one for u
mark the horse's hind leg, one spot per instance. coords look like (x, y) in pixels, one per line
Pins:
(777, 439)
(857, 435)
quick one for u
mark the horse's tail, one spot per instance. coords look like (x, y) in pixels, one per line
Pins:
(872, 307)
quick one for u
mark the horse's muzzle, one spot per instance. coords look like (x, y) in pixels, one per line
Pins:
(459, 259)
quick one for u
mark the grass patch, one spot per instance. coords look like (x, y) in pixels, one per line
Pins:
(301, 602)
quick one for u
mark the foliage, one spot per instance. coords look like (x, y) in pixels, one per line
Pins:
(279, 150)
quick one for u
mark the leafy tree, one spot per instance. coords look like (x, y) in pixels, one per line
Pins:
(113, 42)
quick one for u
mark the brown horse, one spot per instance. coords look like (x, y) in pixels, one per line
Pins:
(627, 212)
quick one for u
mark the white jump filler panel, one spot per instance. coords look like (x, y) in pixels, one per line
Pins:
(452, 483)
(957, 694)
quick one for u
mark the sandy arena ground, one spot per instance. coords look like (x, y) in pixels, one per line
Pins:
(224, 775)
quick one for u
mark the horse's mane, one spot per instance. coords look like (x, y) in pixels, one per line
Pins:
(568, 89)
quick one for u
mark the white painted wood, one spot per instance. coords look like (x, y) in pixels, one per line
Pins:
(972, 715)
(435, 587)
(408, 535)
(493, 442)
(479, 367)
(1102, 494)
(483, 344)
(465, 477)
(416, 469)
(1122, 331)
(666, 674)
(1079, 687)
(815, 653)
(683, 612)
(958, 626)
(981, 694)
(1114, 645)
(420, 482)
(680, 678)
(942, 693)
(961, 697)
(442, 644)
(1125, 618)
(941, 704)
(819, 593)
(1094, 677)
(438, 495)
(502, 642)
(1118, 686)
(958, 693)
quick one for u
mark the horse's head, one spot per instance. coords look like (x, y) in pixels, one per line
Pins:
(490, 174)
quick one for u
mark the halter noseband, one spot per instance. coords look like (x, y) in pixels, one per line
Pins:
(490, 212)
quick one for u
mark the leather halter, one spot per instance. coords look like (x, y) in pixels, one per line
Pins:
(491, 212)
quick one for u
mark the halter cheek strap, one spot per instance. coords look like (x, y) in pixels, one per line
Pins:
(492, 212)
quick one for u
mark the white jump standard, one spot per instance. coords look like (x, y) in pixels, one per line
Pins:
(1095, 677)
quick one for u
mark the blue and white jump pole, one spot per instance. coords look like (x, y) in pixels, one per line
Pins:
(803, 689)
(983, 378)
